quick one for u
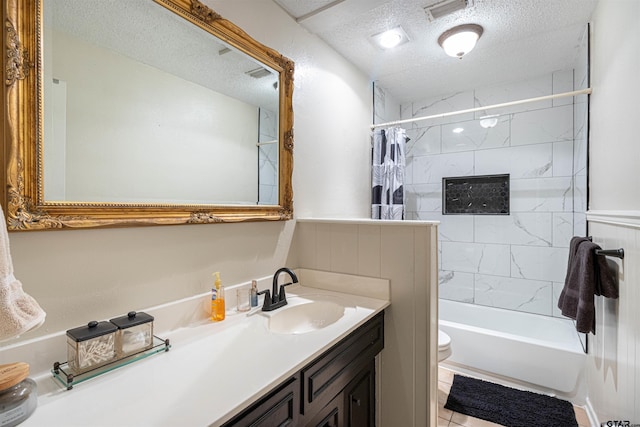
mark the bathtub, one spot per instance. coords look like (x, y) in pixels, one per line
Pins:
(539, 350)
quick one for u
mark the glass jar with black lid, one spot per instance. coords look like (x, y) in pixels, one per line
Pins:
(135, 333)
(91, 346)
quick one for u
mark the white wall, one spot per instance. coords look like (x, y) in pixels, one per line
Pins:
(614, 207)
(615, 152)
(114, 122)
(80, 275)
(332, 108)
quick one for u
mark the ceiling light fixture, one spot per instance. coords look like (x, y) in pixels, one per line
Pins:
(489, 121)
(460, 40)
(390, 38)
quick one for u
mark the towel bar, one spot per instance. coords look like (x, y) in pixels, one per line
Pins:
(618, 253)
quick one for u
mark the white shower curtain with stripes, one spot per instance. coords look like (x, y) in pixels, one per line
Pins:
(387, 174)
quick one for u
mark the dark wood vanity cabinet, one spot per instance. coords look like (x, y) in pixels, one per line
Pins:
(337, 389)
(352, 407)
(279, 407)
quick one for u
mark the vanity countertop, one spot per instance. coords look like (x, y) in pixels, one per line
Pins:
(211, 373)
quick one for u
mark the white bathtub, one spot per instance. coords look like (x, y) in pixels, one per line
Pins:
(540, 350)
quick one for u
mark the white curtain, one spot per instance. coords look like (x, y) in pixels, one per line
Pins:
(387, 175)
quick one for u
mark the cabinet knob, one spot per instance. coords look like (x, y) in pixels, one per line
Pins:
(355, 400)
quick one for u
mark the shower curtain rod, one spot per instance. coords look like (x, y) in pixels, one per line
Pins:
(586, 91)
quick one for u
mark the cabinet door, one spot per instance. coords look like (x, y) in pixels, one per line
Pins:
(280, 407)
(360, 399)
(329, 374)
(331, 415)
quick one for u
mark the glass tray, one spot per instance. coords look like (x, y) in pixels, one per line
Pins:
(67, 378)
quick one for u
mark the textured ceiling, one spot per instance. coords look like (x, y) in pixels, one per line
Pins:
(161, 39)
(522, 39)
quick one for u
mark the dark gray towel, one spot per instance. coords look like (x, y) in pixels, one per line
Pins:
(587, 275)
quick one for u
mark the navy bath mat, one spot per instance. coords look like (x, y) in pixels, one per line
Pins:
(508, 406)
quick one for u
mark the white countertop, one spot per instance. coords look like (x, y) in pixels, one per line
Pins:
(211, 373)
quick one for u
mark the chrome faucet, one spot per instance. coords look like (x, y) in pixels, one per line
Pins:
(276, 299)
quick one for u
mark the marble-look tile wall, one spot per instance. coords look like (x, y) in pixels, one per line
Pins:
(385, 107)
(516, 261)
(268, 159)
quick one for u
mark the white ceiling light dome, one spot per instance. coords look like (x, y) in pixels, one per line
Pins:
(460, 40)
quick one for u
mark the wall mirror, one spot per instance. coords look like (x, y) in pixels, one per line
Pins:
(141, 112)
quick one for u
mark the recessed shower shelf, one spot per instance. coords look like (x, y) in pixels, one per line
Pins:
(68, 379)
(476, 195)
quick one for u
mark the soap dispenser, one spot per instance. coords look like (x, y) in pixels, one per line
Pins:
(217, 299)
(254, 293)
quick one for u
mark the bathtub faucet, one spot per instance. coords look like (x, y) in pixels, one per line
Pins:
(277, 299)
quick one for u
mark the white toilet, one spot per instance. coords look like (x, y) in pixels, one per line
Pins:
(444, 345)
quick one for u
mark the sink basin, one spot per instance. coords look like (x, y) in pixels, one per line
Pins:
(307, 317)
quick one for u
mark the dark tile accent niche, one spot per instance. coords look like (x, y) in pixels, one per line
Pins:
(476, 195)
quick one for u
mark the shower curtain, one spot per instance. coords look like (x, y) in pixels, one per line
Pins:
(387, 174)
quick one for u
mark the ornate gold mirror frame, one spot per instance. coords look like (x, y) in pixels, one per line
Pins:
(22, 197)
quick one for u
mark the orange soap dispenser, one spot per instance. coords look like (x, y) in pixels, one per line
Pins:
(217, 299)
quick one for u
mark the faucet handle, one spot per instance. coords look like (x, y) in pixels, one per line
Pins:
(266, 306)
(282, 296)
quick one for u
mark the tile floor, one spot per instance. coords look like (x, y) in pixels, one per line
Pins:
(448, 418)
